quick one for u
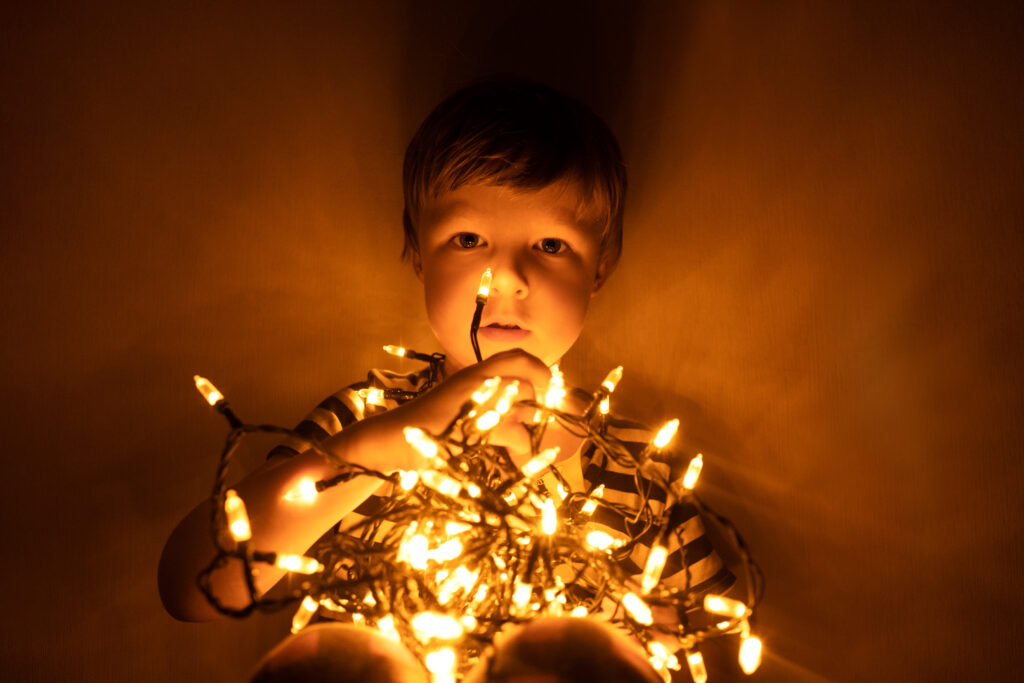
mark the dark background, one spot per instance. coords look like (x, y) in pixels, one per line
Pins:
(822, 278)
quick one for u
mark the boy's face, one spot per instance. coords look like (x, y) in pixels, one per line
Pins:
(546, 268)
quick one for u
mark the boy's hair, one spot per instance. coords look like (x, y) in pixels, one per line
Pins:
(524, 135)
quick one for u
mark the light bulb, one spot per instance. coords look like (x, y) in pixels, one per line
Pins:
(692, 472)
(556, 388)
(488, 420)
(504, 403)
(612, 380)
(599, 540)
(306, 610)
(698, 672)
(372, 395)
(637, 609)
(591, 504)
(486, 390)
(419, 440)
(666, 433)
(304, 491)
(441, 483)
(386, 625)
(206, 388)
(447, 551)
(726, 607)
(605, 406)
(652, 569)
(484, 290)
(578, 611)
(238, 520)
(407, 479)
(750, 654)
(540, 462)
(548, 519)
(414, 551)
(300, 564)
(395, 350)
(433, 625)
(441, 662)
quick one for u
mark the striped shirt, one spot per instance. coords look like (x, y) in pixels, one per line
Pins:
(687, 543)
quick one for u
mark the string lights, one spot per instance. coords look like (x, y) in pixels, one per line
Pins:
(471, 543)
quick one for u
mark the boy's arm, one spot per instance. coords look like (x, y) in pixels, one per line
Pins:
(377, 443)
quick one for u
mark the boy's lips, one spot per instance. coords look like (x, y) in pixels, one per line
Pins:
(503, 331)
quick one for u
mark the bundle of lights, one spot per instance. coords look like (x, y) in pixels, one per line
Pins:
(476, 543)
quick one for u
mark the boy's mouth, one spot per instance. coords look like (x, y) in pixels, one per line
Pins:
(504, 326)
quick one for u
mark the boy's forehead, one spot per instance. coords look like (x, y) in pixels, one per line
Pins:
(554, 206)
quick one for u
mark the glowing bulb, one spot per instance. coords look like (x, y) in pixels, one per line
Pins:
(563, 492)
(486, 390)
(238, 520)
(306, 610)
(578, 611)
(522, 594)
(419, 440)
(662, 654)
(599, 540)
(441, 483)
(453, 528)
(653, 568)
(612, 380)
(386, 625)
(433, 625)
(447, 551)
(414, 551)
(484, 290)
(698, 672)
(605, 406)
(473, 490)
(304, 491)
(692, 472)
(556, 388)
(591, 504)
(372, 395)
(504, 403)
(299, 564)
(206, 388)
(488, 420)
(548, 519)
(750, 654)
(726, 607)
(395, 350)
(441, 662)
(666, 433)
(637, 609)
(407, 479)
(540, 462)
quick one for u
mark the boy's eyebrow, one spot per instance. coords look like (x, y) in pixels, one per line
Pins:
(454, 210)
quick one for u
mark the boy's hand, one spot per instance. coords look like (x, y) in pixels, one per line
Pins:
(381, 439)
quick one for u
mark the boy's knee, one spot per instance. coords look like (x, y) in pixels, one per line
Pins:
(338, 653)
(565, 650)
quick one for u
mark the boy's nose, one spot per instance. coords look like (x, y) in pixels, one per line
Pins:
(509, 281)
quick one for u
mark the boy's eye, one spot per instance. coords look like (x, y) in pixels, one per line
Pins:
(467, 240)
(552, 245)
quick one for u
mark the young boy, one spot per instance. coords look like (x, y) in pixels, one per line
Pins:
(506, 175)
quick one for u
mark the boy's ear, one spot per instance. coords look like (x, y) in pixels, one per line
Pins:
(417, 263)
(605, 267)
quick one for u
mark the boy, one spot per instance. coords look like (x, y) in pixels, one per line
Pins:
(506, 175)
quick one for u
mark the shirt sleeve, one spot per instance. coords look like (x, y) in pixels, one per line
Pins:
(693, 564)
(329, 417)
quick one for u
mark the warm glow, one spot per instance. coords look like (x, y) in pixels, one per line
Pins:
(433, 625)
(548, 519)
(419, 440)
(612, 380)
(386, 625)
(591, 504)
(750, 654)
(698, 672)
(304, 491)
(605, 406)
(441, 483)
(373, 395)
(486, 390)
(599, 540)
(447, 551)
(666, 433)
(556, 389)
(488, 420)
(305, 612)
(726, 607)
(637, 609)
(395, 350)
(540, 462)
(653, 568)
(238, 520)
(209, 392)
(299, 564)
(522, 594)
(414, 551)
(484, 290)
(578, 611)
(441, 663)
(407, 479)
(692, 472)
(509, 394)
